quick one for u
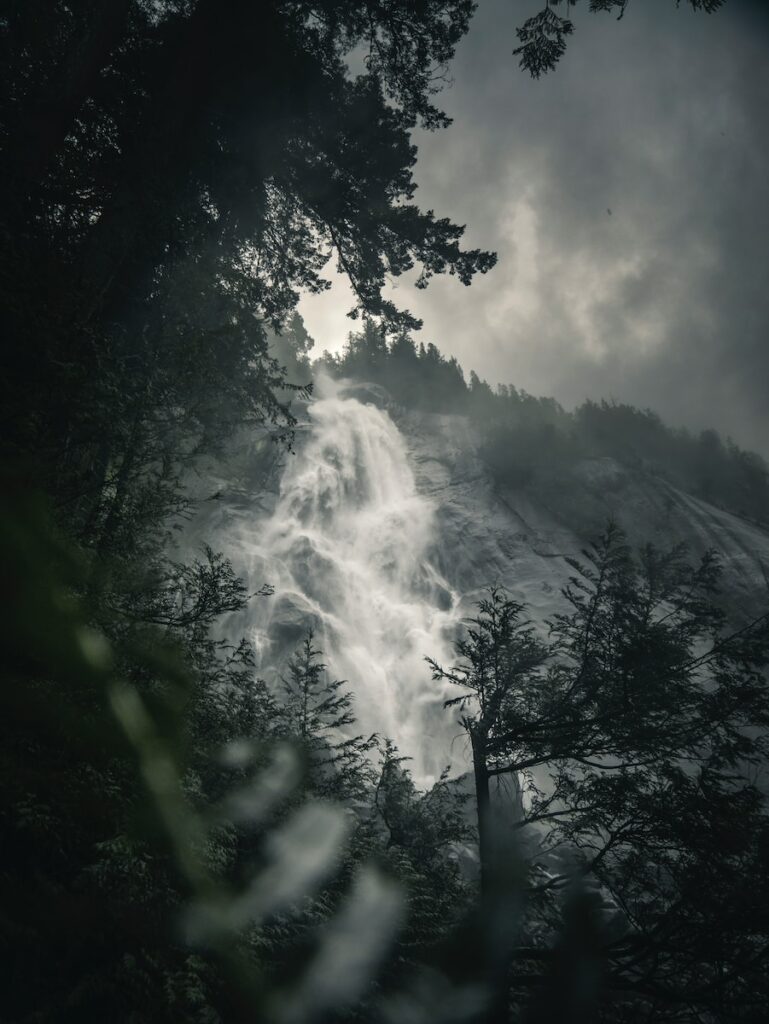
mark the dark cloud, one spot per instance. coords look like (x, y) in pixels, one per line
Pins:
(663, 301)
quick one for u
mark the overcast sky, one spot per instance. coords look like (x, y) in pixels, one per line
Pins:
(662, 119)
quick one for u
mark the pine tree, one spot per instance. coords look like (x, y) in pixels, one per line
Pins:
(318, 714)
(635, 731)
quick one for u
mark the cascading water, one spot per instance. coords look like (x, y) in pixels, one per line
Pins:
(348, 552)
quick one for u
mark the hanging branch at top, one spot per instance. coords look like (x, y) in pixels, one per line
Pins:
(543, 36)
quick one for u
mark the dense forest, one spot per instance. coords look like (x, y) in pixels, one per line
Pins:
(182, 841)
(524, 437)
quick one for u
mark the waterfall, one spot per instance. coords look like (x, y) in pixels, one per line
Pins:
(347, 549)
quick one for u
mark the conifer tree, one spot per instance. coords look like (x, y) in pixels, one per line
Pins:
(318, 713)
(635, 732)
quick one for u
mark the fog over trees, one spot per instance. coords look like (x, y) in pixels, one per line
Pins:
(525, 436)
(192, 834)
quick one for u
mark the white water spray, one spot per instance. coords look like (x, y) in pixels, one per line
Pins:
(348, 551)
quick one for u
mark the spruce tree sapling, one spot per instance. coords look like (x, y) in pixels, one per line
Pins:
(318, 712)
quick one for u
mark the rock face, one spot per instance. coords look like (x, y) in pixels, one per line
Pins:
(385, 527)
(519, 538)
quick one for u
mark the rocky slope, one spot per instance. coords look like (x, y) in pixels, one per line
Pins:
(520, 537)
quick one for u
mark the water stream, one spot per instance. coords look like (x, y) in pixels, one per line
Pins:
(348, 550)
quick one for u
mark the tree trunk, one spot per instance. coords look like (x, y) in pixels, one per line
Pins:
(483, 800)
(496, 905)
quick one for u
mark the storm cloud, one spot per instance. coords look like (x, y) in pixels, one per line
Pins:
(627, 196)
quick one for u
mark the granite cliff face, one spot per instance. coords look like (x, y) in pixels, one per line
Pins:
(520, 537)
(386, 526)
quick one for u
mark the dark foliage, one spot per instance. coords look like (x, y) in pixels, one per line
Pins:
(175, 174)
(543, 41)
(161, 858)
(637, 731)
(543, 36)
